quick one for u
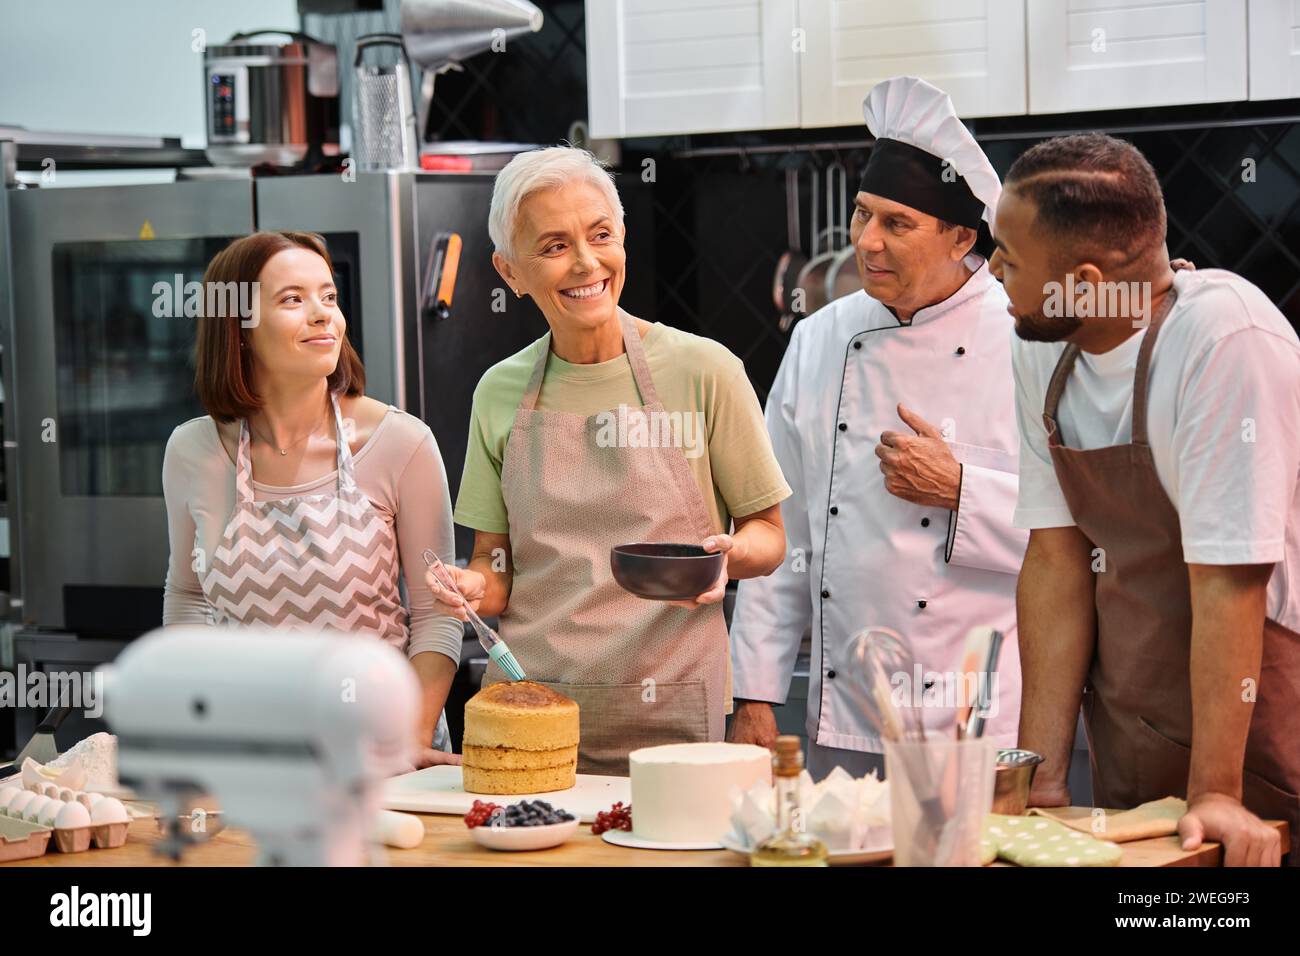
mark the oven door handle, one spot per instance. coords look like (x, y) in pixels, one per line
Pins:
(439, 284)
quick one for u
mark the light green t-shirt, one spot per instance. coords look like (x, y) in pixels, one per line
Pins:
(732, 461)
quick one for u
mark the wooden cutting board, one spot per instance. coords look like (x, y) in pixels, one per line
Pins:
(440, 790)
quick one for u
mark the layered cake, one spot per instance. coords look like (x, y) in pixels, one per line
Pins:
(520, 737)
(681, 793)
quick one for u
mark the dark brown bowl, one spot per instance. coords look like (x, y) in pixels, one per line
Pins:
(665, 572)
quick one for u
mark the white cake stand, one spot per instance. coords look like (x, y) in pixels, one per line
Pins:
(624, 838)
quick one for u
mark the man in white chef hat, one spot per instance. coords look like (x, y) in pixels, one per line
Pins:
(893, 417)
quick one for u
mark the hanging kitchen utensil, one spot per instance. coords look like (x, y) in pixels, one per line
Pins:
(842, 278)
(812, 279)
(792, 260)
(799, 292)
(385, 112)
(797, 295)
(487, 637)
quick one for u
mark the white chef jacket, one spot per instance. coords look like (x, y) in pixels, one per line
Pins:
(858, 555)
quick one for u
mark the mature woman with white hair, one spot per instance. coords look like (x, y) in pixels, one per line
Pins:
(558, 471)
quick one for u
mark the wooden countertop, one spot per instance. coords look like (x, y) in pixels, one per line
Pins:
(447, 842)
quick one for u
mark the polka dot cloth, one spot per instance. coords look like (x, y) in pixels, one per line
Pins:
(1036, 841)
(988, 845)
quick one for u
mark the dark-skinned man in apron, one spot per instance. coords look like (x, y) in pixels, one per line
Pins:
(1160, 444)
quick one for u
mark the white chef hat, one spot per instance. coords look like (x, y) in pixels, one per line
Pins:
(924, 156)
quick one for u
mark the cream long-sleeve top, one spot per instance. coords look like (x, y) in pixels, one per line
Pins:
(399, 468)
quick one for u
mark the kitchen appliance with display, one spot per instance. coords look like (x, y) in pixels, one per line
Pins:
(273, 103)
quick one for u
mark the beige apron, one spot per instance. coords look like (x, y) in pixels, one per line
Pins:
(643, 672)
(1138, 703)
(317, 562)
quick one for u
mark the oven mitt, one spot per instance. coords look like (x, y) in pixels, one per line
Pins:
(988, 843)
(1036, 841)
(1155, 819)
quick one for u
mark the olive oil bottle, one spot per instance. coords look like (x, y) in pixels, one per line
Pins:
(789, 845)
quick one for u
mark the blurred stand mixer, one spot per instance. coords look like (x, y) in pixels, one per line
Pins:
(436, 36)
(292, 733)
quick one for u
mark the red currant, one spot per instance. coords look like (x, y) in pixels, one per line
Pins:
(617, 817)
(480, 813)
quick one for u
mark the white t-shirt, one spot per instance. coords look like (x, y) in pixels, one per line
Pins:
(1223, 421)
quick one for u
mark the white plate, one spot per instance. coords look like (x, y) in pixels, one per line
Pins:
(833, 857)
(524, 838)
(441, 789)
(624, 838)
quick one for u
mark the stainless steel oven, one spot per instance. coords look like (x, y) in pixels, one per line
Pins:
(99, 379)
(94, 381)
(98, 383)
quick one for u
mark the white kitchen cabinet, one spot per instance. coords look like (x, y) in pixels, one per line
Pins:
(1274, 31)
(1115, 54)
(972, 49)
(657, 67)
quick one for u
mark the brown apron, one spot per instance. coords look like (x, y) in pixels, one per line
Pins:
(643, 672)
(1137, 706)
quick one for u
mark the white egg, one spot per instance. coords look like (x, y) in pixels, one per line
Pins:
(109, 810)
(19, 803)
(72, 816)
(47, 815)
(88, 800)
(35, 807)
(6, 797)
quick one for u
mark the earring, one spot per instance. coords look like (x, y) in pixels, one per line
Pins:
(518, 294)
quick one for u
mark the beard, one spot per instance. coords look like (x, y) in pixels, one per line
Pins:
(1037, 327)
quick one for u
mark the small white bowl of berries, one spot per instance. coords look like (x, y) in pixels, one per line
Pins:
(526, 825)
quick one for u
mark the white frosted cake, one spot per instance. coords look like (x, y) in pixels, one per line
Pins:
(681, 793)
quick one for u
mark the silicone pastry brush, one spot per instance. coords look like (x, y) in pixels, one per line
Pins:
(489, 638)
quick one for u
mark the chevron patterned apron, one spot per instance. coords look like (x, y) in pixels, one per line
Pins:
(320, 562)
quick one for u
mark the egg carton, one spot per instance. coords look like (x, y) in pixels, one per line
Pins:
(22, 839)
(26, 832)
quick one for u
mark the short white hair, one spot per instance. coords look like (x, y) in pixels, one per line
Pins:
(539, 169)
